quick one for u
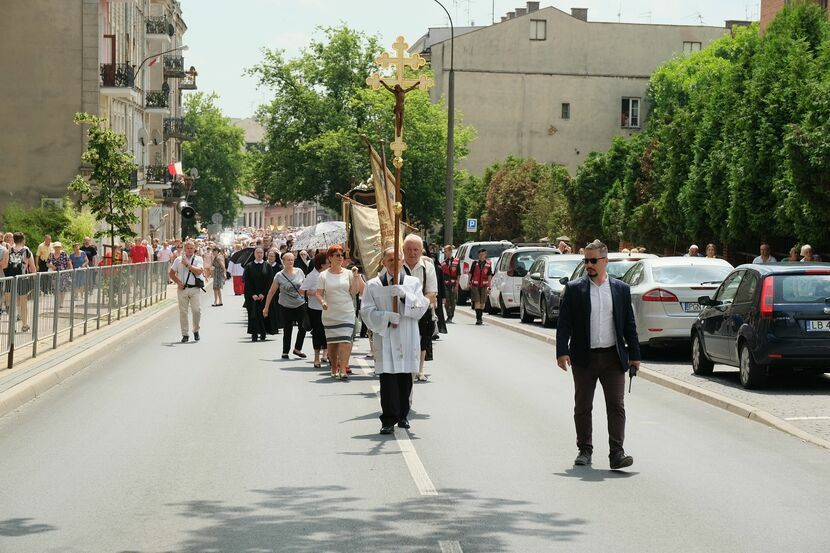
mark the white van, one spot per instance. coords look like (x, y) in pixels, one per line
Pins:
(467, 253)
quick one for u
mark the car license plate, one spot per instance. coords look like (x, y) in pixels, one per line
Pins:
(818, 326)
(691, 307)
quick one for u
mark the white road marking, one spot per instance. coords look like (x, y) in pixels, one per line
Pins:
(450, 547)
(413, 462)
(807, 419)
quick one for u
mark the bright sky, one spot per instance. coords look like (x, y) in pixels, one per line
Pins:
(226, 37)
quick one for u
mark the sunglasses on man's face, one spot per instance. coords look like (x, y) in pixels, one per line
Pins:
(593, 260)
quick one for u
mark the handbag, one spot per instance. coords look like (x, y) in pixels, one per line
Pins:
(305, 320)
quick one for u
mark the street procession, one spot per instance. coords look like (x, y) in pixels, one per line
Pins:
(349, 279)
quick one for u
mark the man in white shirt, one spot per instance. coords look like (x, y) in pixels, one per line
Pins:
(422, 268)
(187, 272)
(597, 329)
(765, 257)
(396, 338)
(165, 253)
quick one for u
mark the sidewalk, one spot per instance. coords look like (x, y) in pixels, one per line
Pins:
(795, 407)
(32, 377)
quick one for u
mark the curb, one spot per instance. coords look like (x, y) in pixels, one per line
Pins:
(712, 398)
(35, 386)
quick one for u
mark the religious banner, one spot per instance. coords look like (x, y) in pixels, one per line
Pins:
(384, 197)
(367, 241)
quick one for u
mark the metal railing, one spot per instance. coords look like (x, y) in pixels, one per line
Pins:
(174, 66)
(157, 99)
(39, 309)
(159, 26)
(120, 75)
(176, 127)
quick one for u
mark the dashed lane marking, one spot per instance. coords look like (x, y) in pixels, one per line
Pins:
(410, 455)
(807, 419)
(450, 547)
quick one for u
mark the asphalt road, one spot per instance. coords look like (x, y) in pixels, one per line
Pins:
(222, 446)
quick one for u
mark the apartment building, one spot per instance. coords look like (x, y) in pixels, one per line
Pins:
(118, 59)
(770, 8)
(555, 86)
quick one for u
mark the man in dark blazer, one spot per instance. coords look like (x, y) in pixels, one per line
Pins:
(597, 334)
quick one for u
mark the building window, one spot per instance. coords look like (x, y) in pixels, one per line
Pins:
(631, 113)
(690, 48)
(566, 111)
(538, 29)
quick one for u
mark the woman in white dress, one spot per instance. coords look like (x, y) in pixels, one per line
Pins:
(336, 290)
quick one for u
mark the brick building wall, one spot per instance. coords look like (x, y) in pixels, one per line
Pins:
(770, 8)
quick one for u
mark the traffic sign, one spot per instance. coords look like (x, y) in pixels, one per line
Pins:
(472, 225)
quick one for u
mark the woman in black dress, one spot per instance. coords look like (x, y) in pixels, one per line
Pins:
(257, 276)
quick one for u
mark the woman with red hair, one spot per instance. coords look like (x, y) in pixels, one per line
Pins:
(336, 291)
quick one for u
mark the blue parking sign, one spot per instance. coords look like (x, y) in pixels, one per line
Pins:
(472, 225)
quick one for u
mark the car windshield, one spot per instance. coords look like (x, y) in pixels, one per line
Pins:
(618, 267)
(564, 268)
(493, 250)
(802, 288)
(685, 274)
(523, 260)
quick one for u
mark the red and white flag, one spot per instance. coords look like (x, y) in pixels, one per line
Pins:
(175, 168)
(153, 61)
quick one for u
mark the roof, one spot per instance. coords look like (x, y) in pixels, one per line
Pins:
(678, 260)
(439, 34)
(784, 267)
(254, 132)
(249, 200)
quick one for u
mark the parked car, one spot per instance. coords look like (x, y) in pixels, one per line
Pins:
(541, 289)
(764, 318)
(664, 293)
(467, 253)
(508, 273)
(618, 263)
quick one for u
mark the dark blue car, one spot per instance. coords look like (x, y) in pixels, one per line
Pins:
(763, 318)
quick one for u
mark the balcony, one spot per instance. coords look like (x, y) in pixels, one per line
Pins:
(188, 82)
(176, 191)
(160, 30)
(174, 67)
(157, 101)
(118, 80)
(157, 177)
(175, 127)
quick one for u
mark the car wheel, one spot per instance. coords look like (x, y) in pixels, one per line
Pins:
(503, 311)
(524, 316)
(701, 365)
(547, 322)
(752, 375)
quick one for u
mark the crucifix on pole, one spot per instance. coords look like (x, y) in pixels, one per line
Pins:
(399, 84)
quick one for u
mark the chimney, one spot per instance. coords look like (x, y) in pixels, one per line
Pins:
(521, 11)
(511, 15)
(532, 7)
(580, 13)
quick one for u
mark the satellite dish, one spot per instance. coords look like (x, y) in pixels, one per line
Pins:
(194, 173)
(216, 218)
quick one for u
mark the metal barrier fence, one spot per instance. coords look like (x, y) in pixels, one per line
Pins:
(38, 309)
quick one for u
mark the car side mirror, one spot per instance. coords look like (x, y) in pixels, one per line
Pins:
(563, 281)
(536, 276)
(706, 301)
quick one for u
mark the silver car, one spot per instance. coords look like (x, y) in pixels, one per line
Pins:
(664, 294)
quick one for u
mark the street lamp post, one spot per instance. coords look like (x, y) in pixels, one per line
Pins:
(449, 205)
(148, 58)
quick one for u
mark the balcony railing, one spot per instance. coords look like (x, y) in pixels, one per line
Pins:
(117, 75)
(174, 66)
(159, 26)
(175, 127)
(188, 82)
(157, 99)
(157, 174)
(176, 190)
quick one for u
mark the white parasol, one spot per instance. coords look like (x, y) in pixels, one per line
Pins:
(320, 236)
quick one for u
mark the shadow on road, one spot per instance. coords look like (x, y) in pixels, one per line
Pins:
(589, 474)
(330, 518)
(16, 527)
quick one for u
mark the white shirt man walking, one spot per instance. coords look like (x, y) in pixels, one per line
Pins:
(422, 268)
(396, 338)
(187, 272)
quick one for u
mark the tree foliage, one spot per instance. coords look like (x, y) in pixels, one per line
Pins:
(321, 108)
(217, 151)
(107, 194)
(736, 147)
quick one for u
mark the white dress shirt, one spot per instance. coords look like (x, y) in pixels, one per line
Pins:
(425, 269)
(602, 315)
(184, 273)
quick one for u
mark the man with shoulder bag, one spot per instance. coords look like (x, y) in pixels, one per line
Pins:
(187, 272)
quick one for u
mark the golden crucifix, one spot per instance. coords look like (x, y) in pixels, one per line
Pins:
(399, 84)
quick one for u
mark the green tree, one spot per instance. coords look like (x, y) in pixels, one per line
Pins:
(108, 195)
(217, 152)
(548, 214)
(35, 223)
(320, 110)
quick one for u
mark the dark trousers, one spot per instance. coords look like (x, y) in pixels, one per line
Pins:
(603, 365)
(395, 390)
(292, 317)
(318, 331)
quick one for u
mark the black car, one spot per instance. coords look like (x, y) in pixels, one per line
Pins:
(541, 287)
(763, 318)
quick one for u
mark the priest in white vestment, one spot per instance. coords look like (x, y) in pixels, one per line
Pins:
(397, 342)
